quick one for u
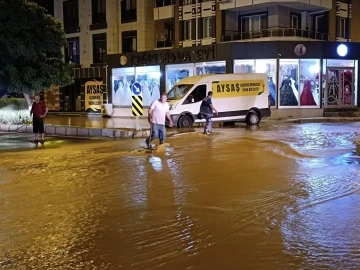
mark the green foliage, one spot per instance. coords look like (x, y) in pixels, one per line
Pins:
(14, 111)
(31, 44)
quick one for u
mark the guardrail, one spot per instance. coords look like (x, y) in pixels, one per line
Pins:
(273, 32)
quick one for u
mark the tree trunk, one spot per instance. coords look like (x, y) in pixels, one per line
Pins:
(28, 100)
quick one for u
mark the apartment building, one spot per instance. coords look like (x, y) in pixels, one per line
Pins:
(308, 48)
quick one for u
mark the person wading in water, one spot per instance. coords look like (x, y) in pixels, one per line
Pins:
(206, 109)
(159, 111)
(39, 111)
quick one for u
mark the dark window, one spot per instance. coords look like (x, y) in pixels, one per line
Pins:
(98, 11)
(198, 94)
(99, 48)
(129, 41)
(320, 23)
(187, 2)
(163, 3)
(72, 51)
(254, 23)
(295, 21)
(71, 13)
(128, 11)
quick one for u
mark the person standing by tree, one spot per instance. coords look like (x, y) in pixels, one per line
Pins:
(39, 111)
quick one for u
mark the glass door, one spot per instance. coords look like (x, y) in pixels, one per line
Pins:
(339, 87)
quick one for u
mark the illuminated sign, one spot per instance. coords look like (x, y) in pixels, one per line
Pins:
(93, 96)
(342, 50)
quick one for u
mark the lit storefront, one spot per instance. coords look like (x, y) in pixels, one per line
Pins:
(304, 78)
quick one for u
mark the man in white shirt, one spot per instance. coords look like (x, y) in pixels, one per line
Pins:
(158, 111)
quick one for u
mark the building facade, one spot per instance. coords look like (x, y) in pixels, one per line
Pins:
(307, 48)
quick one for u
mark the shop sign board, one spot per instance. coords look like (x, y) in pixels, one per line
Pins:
(248, 88)
(184, 55)
(94, 96)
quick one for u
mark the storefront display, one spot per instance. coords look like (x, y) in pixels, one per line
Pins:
(340, 81)
(147, 77)
(309, 82)
(267, 66)
(175, 73)
(210, 68)
(289, 82)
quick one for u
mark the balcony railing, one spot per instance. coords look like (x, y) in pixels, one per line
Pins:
(273, 32)
(164, 3)
(165, 44)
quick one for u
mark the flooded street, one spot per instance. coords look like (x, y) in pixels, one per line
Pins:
(280, 196)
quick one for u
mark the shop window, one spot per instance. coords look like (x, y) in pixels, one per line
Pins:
(244, 66)
(211, 68)
(267, 66)
(340, 63)
(289, 82)
(309, 82)
(175, 73)
(98, 11)
(197, 95)
(99, 47)
(340, 83)
(356, 82)
(71, 14)
(207, 27)
(72, 51)
(123, 78)
(299, 82)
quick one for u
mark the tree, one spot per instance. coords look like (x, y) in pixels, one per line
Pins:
(31, 43)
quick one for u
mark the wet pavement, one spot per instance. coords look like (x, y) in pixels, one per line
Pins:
(275, 197)
(93, 121)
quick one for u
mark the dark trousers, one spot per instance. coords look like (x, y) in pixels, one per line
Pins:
(38, 125)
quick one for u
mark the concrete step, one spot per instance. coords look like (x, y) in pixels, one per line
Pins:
(342, 114)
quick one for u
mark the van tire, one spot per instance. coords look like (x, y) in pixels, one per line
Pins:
(185, 121)
(252, 118)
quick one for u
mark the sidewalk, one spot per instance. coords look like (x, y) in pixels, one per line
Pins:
(96, 126)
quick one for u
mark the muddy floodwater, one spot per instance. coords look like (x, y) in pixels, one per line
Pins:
(275, 197)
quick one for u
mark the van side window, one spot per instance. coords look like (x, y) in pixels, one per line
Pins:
(198, 94)
(201, 93)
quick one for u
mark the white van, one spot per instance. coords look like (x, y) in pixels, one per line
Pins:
(236, 97)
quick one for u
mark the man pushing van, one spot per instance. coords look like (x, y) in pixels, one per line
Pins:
(158, 112)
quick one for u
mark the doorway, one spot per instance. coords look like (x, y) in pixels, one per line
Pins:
(339, 91)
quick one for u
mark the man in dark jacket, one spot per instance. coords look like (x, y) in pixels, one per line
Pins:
(206, 109)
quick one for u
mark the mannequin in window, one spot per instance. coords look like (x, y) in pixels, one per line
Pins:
(287, 97)
(272, 89)
(306, 97)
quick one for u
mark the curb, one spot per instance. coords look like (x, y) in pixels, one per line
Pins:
(79, 131)
(315, 120)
